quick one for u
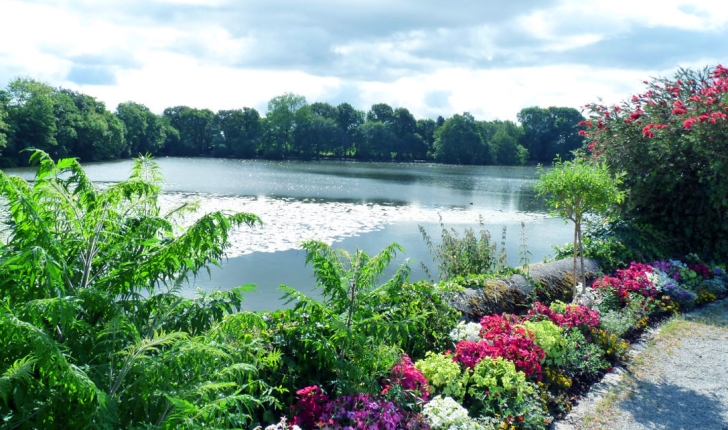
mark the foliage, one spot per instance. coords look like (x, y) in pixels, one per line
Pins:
(347, 340)
(469, 255)
(444, 375)
(670, 139)
(548, 336)
(458, 141)
(616, 243)
(92, 336)
(406, 385)
(548, 132)
(634, 279)
(574, 189)
(564, 315)
(499, 390)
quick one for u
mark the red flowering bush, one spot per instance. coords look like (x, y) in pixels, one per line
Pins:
(310, 406)
(626, 281)
(573, 315)
(502, 337)
(404, 375)
(671, 141)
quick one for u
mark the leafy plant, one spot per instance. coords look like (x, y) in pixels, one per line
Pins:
(574, 189)
(670, 139)
(93, 334)
(466, 255)
(348, 340)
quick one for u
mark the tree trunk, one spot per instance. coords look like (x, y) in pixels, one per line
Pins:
(576, 237)
(581, 256)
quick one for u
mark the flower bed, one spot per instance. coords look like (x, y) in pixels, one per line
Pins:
(513, 371)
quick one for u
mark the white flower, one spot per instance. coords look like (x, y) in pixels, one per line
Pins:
(444, 413)
(465, 331)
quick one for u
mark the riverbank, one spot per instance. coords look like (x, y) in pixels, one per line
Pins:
(675, 379)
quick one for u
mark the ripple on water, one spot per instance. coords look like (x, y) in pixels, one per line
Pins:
(288, 222)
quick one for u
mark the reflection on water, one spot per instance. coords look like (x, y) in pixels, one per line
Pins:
(343, 203)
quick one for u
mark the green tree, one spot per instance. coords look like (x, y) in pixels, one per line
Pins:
(504, 143)
(194, 128)
(458, 141)
(93, 332)
(426, 129)
(281, 123)
(380, 112)
(85, 128)
(550, 132)
(144, 131)
(31, 118)
(375, 141)
(4, 128)
(574, 189)
(349, 120)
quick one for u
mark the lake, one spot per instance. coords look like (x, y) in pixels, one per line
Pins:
(349, 205)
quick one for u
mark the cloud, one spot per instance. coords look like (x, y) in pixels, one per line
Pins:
(491, 58)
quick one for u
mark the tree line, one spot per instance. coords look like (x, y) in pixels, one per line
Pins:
(66, 123)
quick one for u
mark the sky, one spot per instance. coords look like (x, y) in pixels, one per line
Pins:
(491, 58)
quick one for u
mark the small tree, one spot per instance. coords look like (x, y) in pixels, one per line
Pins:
(575, 188)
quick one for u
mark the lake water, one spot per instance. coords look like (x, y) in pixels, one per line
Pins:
(349, 205)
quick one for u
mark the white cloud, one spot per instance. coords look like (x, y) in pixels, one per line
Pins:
(223, 54)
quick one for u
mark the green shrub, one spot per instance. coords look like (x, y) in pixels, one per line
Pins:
(549, 337)
(470, 254)
(93, 333)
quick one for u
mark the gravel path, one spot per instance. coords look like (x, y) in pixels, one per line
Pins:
(677, 378)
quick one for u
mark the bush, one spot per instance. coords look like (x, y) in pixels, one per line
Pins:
(470, 255)
(671, 140)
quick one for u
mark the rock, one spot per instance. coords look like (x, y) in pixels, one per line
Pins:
(544, 282)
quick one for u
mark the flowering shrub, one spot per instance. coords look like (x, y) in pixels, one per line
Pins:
(564, 315)
(466, 331)
(634, 279)
(310, 406)
(316, 410)
(409, 381)
(444, 375)
(502, 338)
(444, 413)
(583, 357)
(681, 123)
(281, 425)
(363, 411)
(614, 347)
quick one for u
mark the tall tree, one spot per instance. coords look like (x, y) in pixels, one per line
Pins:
(195, 131)
(503, 139)
(86, 128)
(281, 123)
(349, 120)
(31, 118)
(381, 112)
(3, 127)
(459, 142)
(426, 129)
(375, 142)
(144, 131)
(550, 132)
